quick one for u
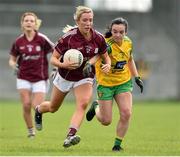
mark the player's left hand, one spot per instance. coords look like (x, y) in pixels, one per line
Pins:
(87, 70)
(105, 68)
(139, 82)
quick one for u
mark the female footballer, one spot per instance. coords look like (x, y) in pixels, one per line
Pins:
(28, 57)
(91, 43)
(117, 84)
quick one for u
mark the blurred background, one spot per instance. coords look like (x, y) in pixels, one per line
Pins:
(154, 27)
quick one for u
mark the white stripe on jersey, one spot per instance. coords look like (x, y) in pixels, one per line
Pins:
(21, 35)
(71, 32)
(46, 38)
(98, 32)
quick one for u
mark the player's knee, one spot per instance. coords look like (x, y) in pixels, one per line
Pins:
(26, 107)
(105, 121)
(126, 114)
(81, 107)
(83, 104)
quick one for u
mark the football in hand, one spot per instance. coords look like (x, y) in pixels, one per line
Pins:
(74, 56)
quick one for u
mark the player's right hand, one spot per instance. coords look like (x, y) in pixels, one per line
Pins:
(70, 65)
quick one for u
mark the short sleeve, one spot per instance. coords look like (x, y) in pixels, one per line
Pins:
(14, 50)
(61, 46)
(48, 46)
(103, 46)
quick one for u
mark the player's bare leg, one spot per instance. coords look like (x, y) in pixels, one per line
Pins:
(52, 106)
(25, 96)
(124, 102)
(83, 94)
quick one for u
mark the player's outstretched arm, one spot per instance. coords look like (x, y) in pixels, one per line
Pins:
(135, 74)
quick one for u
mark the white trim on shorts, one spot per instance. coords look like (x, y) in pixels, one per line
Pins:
(34, 87)
(65, 85)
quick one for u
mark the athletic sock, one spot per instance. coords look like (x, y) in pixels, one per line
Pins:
(117, 141)
(72, 131)
(37, 109)
(31, 131)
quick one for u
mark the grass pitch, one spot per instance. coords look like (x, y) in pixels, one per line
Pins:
(154, 131)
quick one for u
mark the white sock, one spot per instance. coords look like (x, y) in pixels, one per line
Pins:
(31, 131)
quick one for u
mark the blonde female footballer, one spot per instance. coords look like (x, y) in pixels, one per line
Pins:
(91, 43)
(28, 57)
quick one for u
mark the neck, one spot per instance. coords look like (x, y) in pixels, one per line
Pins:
(29, 34)
(87, 35)
(119, 43)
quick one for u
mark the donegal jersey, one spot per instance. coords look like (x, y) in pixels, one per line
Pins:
(120, 55)
(74, 39)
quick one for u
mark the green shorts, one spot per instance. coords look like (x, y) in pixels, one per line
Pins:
(108, 93)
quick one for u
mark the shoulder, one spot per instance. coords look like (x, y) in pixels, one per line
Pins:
(70, 33)
(19, 38)
(41, 35)
(98, 38)
(98, 34)
(127, 40)
(127, 44)
(44, 37)
(109, 41)
(64, 39)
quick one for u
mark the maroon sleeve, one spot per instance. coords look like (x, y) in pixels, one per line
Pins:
(14, 51)
(103, 46)
(48, 46)
(61, 46)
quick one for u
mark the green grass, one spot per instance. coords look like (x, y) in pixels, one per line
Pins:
(154, 131)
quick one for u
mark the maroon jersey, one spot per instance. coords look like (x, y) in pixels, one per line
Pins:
(32, 57)
(73, 39)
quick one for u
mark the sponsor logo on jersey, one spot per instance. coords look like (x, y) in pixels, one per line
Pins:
(22, 47)
(96, 50)
(38, 48)
(88, 48)
(30, 47)
(30, 57)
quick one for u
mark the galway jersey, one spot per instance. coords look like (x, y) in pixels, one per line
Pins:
(120, 55)
(73, 39)
(32, 57)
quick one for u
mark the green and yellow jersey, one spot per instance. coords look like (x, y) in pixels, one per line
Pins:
(120, 55)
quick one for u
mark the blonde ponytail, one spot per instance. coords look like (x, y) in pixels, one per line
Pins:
(38, 24)
(68, 28)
